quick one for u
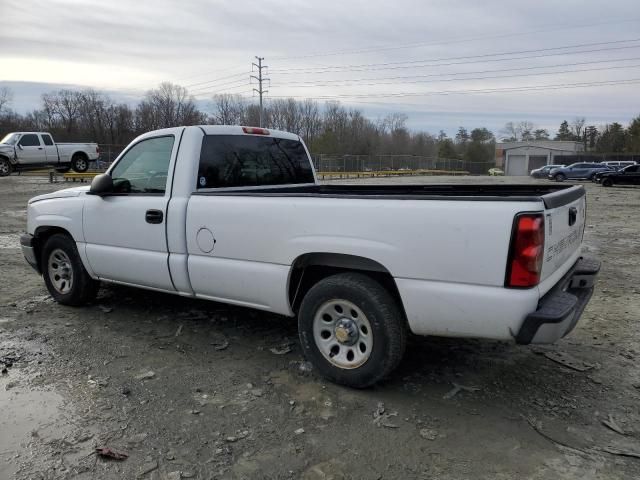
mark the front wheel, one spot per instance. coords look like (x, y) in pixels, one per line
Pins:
(5, 167)
(80, 163)
(607, 182)
(352, 329)
(560, 177)
(64, 274)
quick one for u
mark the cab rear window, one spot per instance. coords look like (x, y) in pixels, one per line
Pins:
(247, 160)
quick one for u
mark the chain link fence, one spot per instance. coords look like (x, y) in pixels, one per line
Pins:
(358, 165)
(362, 165)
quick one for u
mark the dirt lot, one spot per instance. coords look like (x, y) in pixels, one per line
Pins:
(192, 389)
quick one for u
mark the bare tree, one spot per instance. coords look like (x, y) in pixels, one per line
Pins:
(167, 106)
(510, 132)
(577, 127)
(228, 109)
(310, 121)
(6, 97)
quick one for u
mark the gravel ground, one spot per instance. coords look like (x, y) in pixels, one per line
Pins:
(192, 389)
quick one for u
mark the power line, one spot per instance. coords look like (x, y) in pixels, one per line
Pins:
(217, 79)
(462, 79)
(494, 60)
(473, 91)
(452, 41)
(431, 75)
(209, 72)
(412, 63)
(225, 85)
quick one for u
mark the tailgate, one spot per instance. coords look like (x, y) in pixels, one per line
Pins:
(565, 213)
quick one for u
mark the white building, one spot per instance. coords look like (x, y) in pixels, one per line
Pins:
(519, 158)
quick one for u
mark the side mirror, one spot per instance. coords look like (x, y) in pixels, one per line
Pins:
(101, 185)
(20, 146)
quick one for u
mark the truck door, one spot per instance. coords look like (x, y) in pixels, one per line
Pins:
(125, 233)
(30, 151)
(50, 149)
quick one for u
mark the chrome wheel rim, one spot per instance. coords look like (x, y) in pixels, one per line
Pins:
(81, 164)
(343, 334)
(4, 167)
(60, 271)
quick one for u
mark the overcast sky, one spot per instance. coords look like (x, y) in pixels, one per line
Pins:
(358, 52)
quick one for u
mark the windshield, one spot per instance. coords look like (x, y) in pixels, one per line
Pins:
(10, 138)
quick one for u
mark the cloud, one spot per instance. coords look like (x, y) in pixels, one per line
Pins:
(128, 47)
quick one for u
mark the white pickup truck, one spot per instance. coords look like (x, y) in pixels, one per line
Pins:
(28, 150)
(235, 215)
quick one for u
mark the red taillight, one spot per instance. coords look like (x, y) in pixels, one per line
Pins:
(255, 130)
(527, 251)
(98, 150)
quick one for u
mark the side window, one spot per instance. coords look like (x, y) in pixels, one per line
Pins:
(633, 169)
(144, 167)
(248, 160)
(48, 141)
(29, 140)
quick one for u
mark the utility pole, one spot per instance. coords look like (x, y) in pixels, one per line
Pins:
(260, 90)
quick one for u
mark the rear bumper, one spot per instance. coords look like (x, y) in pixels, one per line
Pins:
(560, 309)
(28, 250)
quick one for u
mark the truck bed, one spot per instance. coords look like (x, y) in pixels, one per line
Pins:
(553, 195)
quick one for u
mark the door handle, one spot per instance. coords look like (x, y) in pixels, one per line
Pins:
(154, 216)
(573, 215)
(39, 148)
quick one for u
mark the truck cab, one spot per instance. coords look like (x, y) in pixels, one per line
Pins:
(29, 150)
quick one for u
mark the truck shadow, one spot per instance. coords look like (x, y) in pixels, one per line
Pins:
(250, 343)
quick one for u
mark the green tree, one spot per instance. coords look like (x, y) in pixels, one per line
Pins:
(632, 144)
(481, 135)
(612, 139)
(446, 149)
(462, 136)
(541, 134)
(564, 132)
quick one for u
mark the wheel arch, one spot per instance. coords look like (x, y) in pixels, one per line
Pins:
(79, 153)
(40, 237)
(309, 268)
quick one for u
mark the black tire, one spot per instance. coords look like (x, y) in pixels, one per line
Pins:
(80, 162)
(5, 167)
(381, 312)
(607, 182)
(81, 288)
(560, 177)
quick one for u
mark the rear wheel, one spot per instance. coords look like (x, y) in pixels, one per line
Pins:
(64, 274)
(5, 167)
(80, 163)
(607, 182)
(560, 177)
(352, 329)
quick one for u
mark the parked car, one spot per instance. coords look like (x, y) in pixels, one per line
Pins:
(577, 171)
(235, 215)
(496, 172)
(617, 165)
(28, 150)
(543, 172)
(627, 176)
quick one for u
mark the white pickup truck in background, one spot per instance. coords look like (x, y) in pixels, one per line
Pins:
(235, 215)
(28, 150)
